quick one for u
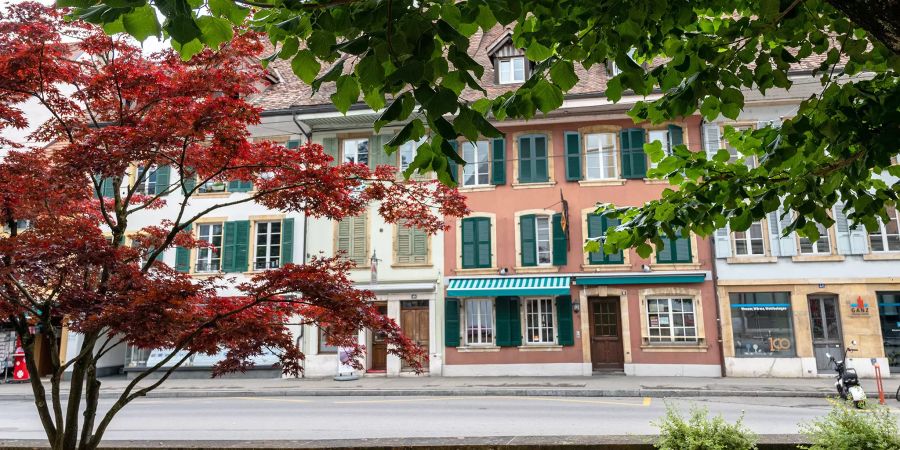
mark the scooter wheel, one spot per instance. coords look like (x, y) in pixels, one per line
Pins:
(860, 404)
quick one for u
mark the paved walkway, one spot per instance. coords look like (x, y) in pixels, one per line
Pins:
(595, 386)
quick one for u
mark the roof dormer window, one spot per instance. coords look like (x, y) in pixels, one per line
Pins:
(510, 64)
(511, 70)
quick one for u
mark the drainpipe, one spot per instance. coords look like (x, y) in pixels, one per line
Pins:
(715, 279)
(308, 136)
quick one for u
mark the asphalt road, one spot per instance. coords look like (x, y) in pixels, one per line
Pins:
(275, 418)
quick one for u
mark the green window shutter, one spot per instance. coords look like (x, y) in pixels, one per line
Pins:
(163, 174)
(292, 144)
(236, 246)
(541, 157)
(240, 186)
(330, 147)
(344, 236)
(451, 322)
(468, 245)
(665, 255)
(615, 258)
(509, 330)
(358, 239)
(526, 160)
(560, 242)
(229, 251)
(452, 165)
(676, 136)
(377, 155)
(595, 228)
(498, 162)
(183, 257)
(108, 187)
(566, 328)
(573, 156)
(419, 246)
(404, 244)
(287, 241)
(682, 250)
(189, 182)
(483, 242)
(634, 160)
(527, 240)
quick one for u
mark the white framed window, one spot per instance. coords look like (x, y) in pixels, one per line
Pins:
(663, 137)
(671, 320)
(749, 161)
(268, 245)
(539, 327)
(147, 180)
(209, 259)
(476, 172)
(543, 239)
(479, 322)
(212, 186)
(601, 156)
(820, 247)
(408, 153)
(887, 239)
(750, 242)
(512, 70)
(356, 151)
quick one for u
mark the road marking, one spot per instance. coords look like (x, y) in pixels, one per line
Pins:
(274, 399)
(403, 400)
(647, 401)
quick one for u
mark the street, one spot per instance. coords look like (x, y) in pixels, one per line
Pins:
(275, 418)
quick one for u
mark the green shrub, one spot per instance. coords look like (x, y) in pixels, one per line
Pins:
(702, 433)
(846, 427)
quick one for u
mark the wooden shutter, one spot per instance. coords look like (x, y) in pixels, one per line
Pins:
(292, 144)
(468, 246)
(560, 242)
(188, 181)
(634, 160)
(526, 160)
(163, 175)
(451, 322)
(595, 229)
(509, 329)
(483, 242)
(665, 254)
(676, 136)
(541, 166)
(682, 249)
(330, 147)
(498, 162)
(527, 240)
(229, 250)
(344, 236)
(108, 187)
(236, 246)
(712, 140)
(573, 155)
(358, 238)
(419, 246)
(774, 234)
(183, 257)
(240, 186)
(566, 327)
(287, 241)
(788, 244)
(377, 155)
(723, 243)
(615, 258)
(411, 245)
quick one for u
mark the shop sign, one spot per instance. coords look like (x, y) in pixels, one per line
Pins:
(859, 308)
(761, 306)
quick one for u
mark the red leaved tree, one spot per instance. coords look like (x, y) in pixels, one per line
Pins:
(114, 109)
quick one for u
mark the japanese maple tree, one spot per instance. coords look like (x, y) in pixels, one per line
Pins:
(79, 264)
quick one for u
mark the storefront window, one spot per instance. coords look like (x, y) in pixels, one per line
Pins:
(889, 313)
(761, 323)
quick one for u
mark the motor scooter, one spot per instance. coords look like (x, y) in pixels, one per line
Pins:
(847, 383)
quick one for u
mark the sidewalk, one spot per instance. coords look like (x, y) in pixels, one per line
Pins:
(595, 386)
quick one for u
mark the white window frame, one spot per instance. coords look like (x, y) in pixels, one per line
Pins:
(593, 157)
(351, 151)
(661, 135)
(211, 256)
(408, 149)
(482, 323)
(473, 166)
(669, 317)
(747, 239)
(541, 329)
(511, 70)
(543, 224)
(882, 233)
(824, 236)
(147, 186)
(272, 241)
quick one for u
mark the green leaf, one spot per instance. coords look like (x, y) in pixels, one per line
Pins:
(141, 23)
(547, 96)
(229, 10)
(614, 89)
(305, 66)
(563, 74)
(537, 51)
(215, 31)
(346, 94)
(188, 50)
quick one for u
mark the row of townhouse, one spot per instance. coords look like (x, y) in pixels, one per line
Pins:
(509, 290)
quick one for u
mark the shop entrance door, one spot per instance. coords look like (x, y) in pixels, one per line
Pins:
(379, 346)
(825, 325)
(606, 334)
(889, 314)
(414, 323)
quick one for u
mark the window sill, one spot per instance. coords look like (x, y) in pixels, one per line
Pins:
(655, 181)
(751, 259)
(212, 195)
(206, 274)
(477, 349)
(674, 266)
(484, 271)
(595, 183)
(817, 258)
(881, 256)
(479, 188)
(545, 184)
(676, 348)
(411, 266)
(604, 268)
(540, 348)
(537, 269)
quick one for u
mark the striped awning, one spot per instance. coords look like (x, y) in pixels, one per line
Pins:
(497, 286)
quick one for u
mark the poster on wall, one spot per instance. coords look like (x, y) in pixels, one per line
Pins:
(346, 371)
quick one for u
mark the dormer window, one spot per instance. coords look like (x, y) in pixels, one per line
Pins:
(510, 64)
(512, 70)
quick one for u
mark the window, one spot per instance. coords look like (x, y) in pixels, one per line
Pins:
(533, 159)
(479, 322)
(212, 186)
(209, 259)
(352, 239)
(887, 239)
(476, 243)
(761, 324)
(750, 242)
(820, 247)
(663, 137)
(408, 153)
(597, 224)
(512, 70)
(676, 250)
(477, 168)
(147, 180)
(889, 315)
(601, 156)
(671, 320)
(411, 245)
(268, 245)
(749, 160)
(324, 346)
(539, 321)
(535, 240)
(356, 151)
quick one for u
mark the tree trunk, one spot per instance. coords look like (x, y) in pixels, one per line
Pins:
(881, 18)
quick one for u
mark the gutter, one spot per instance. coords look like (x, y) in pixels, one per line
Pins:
(308, 137)
(715, 280)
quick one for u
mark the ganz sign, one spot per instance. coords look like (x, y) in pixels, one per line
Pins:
(859, 308)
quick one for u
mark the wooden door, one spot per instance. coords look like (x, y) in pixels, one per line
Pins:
(415, 325)
(606, 334)
(379, 346)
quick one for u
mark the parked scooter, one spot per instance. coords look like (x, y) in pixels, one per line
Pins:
(847, 383)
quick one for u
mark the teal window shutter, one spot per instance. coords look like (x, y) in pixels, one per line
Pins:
(229, 251)
(676, 250)
(597, 226)
(468, 243)
(573, 156)
(476, 243)
(565, 324)
(509, 329)
(163, 174)
(240, 186)
(541, 166)
(236, 246)
(189, 182)
(377, 155)
(287, 241)
(498, 162)
(634, 160)
(108, 187)
(451, 322)
(533, 157)
(526, 160)
(676, 135)
(452, 165)
(527, 240)
(183, 257)
(330, 147)
(292, 144)
(560, 242)
(483, 242)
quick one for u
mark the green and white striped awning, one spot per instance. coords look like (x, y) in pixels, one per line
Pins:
(499, 286)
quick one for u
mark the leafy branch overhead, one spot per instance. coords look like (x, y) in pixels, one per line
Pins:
(412, 60)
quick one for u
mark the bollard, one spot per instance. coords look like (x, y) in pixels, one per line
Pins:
(878, 383)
